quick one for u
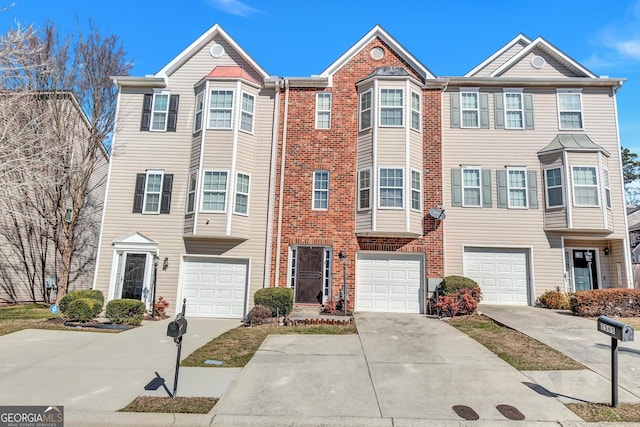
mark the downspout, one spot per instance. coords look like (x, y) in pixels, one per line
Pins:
(199, 174)
(106, 194)
(281, 193)
(272, 187)
(442, 175)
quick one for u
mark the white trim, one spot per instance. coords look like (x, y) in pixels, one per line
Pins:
(231, 109)
(195, 191)
(318, 110)
(402, 107)
(596, 185)
(374, 157)
(412, 110)
(407, 157)
(234, 154)
(506, 92)
(578, 92)
(243, 112)
(546, 187)
(195, 111)
(327, 279)
(519, 38)
(569, 187)
(402, 189)
(370, 110)
(226, 191)
(462, 186)
(475, 91)
(236, 192)
(525, 188)
(156, 93)
(145, 192)
(598, 266)
(420, 197)
(314, 189)
(359, 189)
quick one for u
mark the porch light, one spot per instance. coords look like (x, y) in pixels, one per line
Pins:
(606, 251)
(343, 256)
(165, 264)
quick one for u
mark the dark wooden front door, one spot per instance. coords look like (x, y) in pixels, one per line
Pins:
(309, 264)
(133, 276)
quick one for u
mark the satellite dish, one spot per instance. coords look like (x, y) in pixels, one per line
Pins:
(437, 213)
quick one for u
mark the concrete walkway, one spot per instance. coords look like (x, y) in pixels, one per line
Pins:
(579, 339)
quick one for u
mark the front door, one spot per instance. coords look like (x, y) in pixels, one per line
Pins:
(133, 281)
(585, 271)
(309, 275)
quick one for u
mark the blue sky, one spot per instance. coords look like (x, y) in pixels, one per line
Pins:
(300, 37)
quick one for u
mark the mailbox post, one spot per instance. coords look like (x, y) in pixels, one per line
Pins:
(617, 331)
(176, 330)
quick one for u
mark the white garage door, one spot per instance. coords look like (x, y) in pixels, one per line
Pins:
(501, 273)
(214, 288)
(389, 283)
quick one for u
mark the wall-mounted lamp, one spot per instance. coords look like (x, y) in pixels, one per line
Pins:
(165, 264)
(343, 256)
(606, 251)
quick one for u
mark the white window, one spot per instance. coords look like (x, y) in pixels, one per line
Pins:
(242, 194)
(321, 190)
(246, 118)
(391, 107)
(152, 192)
(471, 187)
(607, 189)
(323, 110)
(416, 108)
(585, 186)
(159, 111)
(191, 191)
(517, 186)
(364, 189)
(469, 108)
(416, 190)
(390, 188)
(513, 109)
(570, 109)
(365, 110)
(220, 109)
(214, 191)
(553, 183)
(197, 118)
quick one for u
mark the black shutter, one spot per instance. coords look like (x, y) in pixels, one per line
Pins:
(138, 195)
(172, 119)
(146, 111)
(165, 201)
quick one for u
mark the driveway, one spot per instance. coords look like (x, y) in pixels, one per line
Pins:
(399, 367)
(91, 371)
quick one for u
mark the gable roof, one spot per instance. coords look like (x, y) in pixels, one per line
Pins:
(378, 32)
(520, 38)
(203, 40)
(544, 45)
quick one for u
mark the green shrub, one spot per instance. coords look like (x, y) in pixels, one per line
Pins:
(82, 309)
(93, 294)
(452, 284)
(125, 311)
(279, 300)
(259, 315)
(606, 302)
(555, 300)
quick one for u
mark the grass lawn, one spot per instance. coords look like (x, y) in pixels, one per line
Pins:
(178, 405)
(236, 347)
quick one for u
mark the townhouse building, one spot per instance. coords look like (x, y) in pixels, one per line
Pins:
(374, 176)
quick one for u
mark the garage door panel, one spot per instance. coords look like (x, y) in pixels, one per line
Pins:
(501, 273)
(215, 288)
(389, 283)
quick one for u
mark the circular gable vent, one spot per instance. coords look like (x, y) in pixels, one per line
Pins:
(538, 62)
(217, 50)
(377, 53)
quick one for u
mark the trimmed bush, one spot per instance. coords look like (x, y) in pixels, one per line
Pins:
(606, 302)
(555, 300)
(259, 315)
(125, 311)
(82, 309)
(279, 300)
(93, 294)
(452, 284)
(464, 301)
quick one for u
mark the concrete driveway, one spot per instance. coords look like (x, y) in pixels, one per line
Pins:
(90, 371)
(398, 368)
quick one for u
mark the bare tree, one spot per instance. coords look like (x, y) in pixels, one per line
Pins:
(57, 115)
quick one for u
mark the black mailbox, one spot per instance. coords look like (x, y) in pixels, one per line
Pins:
(177, 328)
(615, 329)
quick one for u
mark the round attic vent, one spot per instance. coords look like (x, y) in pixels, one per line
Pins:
(538, 62)
(377, 53)
(217, 50)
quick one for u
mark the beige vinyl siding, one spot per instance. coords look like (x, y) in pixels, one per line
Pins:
(585, 217)
(365, 147)
(391, 220)
(391, 146)
(499, 60)
(177, 153)
(607, 264)
(552, 69)
(554, 217)
(496, 148)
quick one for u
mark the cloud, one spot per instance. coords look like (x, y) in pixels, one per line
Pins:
(234, 7)
(622, 38)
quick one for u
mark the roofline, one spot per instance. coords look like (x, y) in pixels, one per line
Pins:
(533, 82)
(205, 38)
(575, 150)
(378, 31)
(503, 49)
(132, 81)
(540, 41)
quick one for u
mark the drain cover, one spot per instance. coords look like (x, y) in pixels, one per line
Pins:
(510, 412)
(465, 412)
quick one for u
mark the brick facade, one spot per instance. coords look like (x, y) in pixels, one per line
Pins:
(309, 149)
